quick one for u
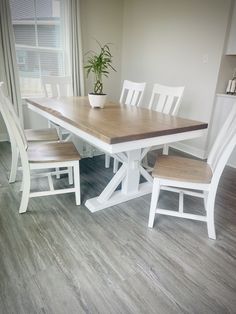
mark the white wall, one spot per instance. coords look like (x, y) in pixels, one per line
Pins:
(228, 62)
(227, 70)
(177, 43)
(102, 20)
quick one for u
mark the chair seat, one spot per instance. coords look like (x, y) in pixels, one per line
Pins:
(182, 169)
(52, 152)
(41, 135)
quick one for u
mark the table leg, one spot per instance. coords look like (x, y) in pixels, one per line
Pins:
(129, 176)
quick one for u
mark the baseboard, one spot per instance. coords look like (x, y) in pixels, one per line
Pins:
(200, 153)
(4, 137)
(232, 165)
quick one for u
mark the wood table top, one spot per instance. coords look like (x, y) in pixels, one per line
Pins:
(114, 123)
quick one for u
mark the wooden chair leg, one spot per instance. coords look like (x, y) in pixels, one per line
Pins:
(14, 163)
(107, 161)
(77, 183)
(210, 215)
(154, 200)
(26, 191)
(115, 165)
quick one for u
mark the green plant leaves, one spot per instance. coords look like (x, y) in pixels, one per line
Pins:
(99, 64)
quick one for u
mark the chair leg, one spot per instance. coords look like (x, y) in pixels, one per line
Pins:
(210, 215)
(205, 199)
(165, 149)
(115, 165)
(107, 161)
(70, 175)
(26, 191)
(154, 200)
(77, 183)
(14, 163)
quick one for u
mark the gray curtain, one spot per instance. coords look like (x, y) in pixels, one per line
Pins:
(8, 65)
(75, 46)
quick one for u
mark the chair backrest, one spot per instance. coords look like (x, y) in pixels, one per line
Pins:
(166, 99)
(15, 131)
(7, 105)
(223, 145)
(57, 86)
(132, 93)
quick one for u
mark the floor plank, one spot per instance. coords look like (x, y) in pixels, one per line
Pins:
(60, 258)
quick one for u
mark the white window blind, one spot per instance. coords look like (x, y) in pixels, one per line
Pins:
(39, 40)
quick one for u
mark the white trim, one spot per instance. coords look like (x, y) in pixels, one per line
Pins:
(232, 165)
(200, 153)
(159, 140)
(226, 96)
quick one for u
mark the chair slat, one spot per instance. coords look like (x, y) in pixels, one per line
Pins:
(132, 93)
(169, 104)
(129, 97)
(135, 99)
(161, 103)
(163, 97)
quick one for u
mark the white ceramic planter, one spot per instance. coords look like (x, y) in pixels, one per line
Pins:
(97, 101)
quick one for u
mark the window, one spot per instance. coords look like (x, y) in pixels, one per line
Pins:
(39, 41)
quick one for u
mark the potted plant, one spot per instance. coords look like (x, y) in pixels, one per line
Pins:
(99, 63)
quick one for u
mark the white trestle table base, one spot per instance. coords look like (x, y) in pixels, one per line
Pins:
(118, 197)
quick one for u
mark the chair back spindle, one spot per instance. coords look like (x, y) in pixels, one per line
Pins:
(166, 99)
(132, 93)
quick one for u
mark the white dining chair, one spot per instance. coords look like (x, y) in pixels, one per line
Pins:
(32, 135)
(131, 95)
(188, 177)
(165, 99)
(41, 156)
(57, 86)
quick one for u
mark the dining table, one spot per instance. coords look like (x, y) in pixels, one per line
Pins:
(125, 132)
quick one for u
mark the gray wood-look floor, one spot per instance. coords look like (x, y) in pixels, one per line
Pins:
(60, 258)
